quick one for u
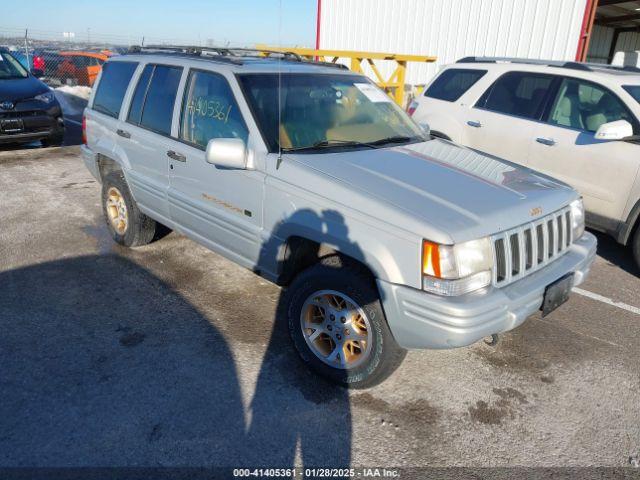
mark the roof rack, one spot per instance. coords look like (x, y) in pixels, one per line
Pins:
(526, 61)
(618, 68)
(228, 54)
(585, 67)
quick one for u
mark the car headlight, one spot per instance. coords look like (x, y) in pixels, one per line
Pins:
(456, 269)
(577, 218)
(46, 97)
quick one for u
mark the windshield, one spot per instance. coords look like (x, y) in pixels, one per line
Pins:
(634, 90)
(325, 111)
(10, 67)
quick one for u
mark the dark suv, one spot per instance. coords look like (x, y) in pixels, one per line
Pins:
(28, 108)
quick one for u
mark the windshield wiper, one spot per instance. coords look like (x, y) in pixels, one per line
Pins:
(397, 139)
(328, 144)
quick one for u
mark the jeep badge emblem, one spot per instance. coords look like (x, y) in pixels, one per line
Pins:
(534, 212)
(7, 105)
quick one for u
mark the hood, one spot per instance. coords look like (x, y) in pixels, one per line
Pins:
(16, 89)
(460, 192)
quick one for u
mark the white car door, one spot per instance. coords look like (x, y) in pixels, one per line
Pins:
(502, 120)
(564, 147)
(220, 207)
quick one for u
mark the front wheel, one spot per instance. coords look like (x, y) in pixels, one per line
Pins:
(338, 326)
(53, 140)
(635, 246)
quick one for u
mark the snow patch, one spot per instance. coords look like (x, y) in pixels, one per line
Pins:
(77, 91)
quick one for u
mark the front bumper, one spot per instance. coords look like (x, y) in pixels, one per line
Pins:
(37, 123)
(422, 320)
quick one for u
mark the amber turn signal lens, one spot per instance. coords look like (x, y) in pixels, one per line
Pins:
(431, 259)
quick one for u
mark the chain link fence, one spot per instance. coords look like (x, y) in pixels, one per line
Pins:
(73, 58)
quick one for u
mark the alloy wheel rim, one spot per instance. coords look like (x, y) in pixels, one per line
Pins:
(336, 329)
(117, 210)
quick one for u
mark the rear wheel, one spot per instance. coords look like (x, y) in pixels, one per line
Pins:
(338, 326)
(126, 223)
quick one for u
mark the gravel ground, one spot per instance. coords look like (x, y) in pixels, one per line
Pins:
(168, 355)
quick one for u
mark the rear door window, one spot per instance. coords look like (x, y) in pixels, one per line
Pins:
(453, 83)
(521, 94)
(156, 100)
(209, 110)
(112, 87)
(135, 110)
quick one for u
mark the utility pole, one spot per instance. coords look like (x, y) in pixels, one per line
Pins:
(26, 47)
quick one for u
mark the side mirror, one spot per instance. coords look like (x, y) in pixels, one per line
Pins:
(618, 130)
(36, 72)
(426, 129)
(227, 152)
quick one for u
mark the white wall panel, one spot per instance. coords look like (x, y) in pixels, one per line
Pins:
(600, 44)
(628, 42)
(451, 29)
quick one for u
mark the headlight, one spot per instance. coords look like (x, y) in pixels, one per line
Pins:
(577, 218)
(456, 269)
(46, 97)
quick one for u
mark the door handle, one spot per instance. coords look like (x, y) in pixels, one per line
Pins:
(123, 133)
(474, 124)
(549, 142)
(176, 156)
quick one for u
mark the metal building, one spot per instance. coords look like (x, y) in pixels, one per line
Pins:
(452, 29)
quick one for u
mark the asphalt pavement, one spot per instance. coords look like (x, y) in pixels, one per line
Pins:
(169, 355)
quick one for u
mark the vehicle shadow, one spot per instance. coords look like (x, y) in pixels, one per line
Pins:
(321, 426)
(616, 254)
(103, 364)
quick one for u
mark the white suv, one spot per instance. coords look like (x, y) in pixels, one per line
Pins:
(574, 121)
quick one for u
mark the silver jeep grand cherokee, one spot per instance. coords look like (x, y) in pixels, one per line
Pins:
(311, 176)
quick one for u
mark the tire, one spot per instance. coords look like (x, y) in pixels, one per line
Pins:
(379, 356)
(137, 229)
(54, 140)
(635, 246)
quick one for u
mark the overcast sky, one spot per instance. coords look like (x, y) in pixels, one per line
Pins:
(238, 22)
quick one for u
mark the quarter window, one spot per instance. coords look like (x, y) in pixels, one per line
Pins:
(586, 106)
(113, 85)
(517, 93)
(634, 91)
(209, 110)
(453, 83)
(156, 99)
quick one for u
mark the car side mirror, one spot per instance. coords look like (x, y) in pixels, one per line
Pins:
(36, 72)
(618, 130)
(227, 153)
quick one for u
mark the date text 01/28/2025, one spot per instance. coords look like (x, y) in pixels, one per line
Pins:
(316, 472)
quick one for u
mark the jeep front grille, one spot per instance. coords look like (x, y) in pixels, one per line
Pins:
(523, 250)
